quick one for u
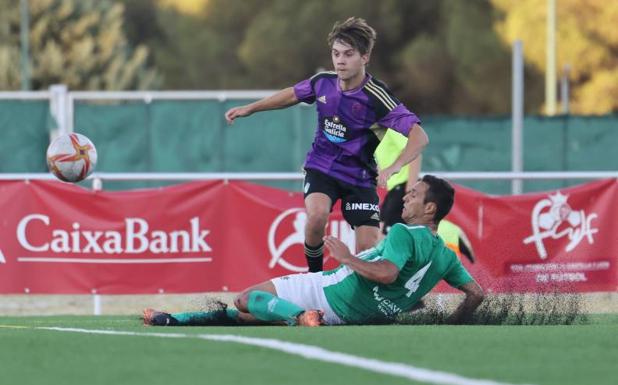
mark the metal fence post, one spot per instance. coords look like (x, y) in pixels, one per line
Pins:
(517, 164)
(58, 106)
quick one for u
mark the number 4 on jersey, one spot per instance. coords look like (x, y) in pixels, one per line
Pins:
(415, 281)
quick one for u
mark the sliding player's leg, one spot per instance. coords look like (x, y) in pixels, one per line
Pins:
(217, 315)
(263, 303)
(257, 305)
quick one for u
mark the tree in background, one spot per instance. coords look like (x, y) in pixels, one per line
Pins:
(441, 56)
(189, 7)
(80, 43)
(587, 40)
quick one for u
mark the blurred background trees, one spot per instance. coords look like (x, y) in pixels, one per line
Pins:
(81, 43)
(439, 56)
(587, 41)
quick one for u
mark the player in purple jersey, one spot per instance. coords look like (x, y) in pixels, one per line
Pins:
(354, 110)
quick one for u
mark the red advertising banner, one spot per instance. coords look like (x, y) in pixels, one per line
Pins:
(557, 240)
(59, 238)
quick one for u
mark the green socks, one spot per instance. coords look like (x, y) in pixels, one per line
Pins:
(203, 318)
(262, 305)
(268, 307)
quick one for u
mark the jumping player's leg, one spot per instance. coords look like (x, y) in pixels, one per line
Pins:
(321, 193)
(366, 237)
(318, 207)
(361, 211)
(392, 206)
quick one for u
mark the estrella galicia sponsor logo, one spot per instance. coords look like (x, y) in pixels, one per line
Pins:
(334, 130)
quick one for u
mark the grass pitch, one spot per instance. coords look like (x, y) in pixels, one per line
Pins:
(552, 354)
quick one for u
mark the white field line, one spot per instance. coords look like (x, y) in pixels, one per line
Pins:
(306, 351)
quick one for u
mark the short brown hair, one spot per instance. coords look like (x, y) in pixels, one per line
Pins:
(355, 32)
(440, 192)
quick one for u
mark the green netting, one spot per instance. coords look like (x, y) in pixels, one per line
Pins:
(23, 136)
(120, 133)
(192, 136)
(563, 143)
(185, 137)
(468, 144)
(273, 141)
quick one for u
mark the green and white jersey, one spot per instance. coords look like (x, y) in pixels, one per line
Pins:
(422, 259)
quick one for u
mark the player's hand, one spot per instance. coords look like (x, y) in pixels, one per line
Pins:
(237, 112)
(337, 249)
(385, 174)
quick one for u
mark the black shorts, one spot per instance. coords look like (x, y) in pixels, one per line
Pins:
(359, 205)
(390, 212)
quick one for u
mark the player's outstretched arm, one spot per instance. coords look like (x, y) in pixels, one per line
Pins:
(414, 171)
(281, 99)
(474, 297)
(417, 140)
(383, 271)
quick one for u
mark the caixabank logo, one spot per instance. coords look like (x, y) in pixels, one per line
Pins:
(286, 238)
(41, 239)
(553, 218)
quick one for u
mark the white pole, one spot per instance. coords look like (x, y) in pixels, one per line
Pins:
(96, 303)
(58, 106)
(97, 184)
(564, 89)
(71, 112)
(24, 36)
(517, 111)
(550, 71)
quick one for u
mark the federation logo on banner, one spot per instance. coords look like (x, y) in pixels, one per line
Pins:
(286, 238)
(553, 218)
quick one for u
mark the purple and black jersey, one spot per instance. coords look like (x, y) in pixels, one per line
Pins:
(351, 125)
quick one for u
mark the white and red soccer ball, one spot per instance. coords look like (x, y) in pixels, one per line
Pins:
(71, 157)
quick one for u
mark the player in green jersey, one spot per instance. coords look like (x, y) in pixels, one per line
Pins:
(398, 184)
(372, 287)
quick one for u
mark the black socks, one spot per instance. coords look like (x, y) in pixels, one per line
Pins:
(315, 257)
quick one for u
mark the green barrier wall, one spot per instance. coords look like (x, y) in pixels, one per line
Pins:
(572, 143)
(192, 136)
(23, 136)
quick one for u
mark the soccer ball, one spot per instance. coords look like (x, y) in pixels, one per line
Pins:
(71, 157)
